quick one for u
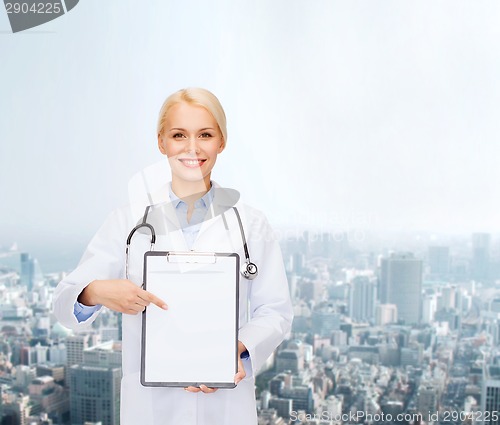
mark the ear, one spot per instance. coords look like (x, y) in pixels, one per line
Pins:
(221, 147)
(160, 145)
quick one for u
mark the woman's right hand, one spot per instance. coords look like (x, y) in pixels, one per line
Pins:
(119, 295)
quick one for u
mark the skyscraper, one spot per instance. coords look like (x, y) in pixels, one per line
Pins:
(75, 346)
(362, 298)
(27, 271)
(490, 397)
(427, 400)
(401, 284)
(480, 256)
(95, 394)
(95, 385)
(439, 260)
(448, 298)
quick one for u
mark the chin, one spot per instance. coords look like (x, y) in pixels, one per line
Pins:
(191, 177)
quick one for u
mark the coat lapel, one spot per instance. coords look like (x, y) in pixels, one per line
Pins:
(164, 219)
(224, 199)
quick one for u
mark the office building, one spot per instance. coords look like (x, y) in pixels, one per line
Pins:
(439, 261)
(325, 320)
(401, 284)
(76, 344)
(385, 314)
(412, 356)
(312, 290)
(58, 354)
(490, 395)
(48, 397)
(23, 375)
(427, 400)
(283, 406)
(362, 297)
(366, 353)
(27, 271)
(494, 305)
(52, 370)
(429, 307)
(289, 360)
(480, 256)
(448, 298)
(302, 398)
(16, 409)
(95, 385)
(95, 394)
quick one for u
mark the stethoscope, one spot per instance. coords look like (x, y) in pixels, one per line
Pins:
(248, 270)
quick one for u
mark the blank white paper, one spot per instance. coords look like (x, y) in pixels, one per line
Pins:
(194, 341)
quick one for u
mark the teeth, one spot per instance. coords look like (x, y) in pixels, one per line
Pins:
(191, 162)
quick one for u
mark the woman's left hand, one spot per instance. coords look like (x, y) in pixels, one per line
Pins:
(237, 378)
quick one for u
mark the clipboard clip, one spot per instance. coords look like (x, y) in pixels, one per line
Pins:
(188, 257)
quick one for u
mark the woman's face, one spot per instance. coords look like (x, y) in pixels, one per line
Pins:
(191, 139)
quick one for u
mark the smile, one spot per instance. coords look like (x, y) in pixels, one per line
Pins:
(192, 163)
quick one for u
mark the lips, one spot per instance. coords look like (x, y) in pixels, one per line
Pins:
(192, 162)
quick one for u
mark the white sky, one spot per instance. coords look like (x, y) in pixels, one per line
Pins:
(373, 114)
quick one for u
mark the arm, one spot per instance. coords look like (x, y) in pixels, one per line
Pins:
(271, 311)
(104, 258)
(98, 280)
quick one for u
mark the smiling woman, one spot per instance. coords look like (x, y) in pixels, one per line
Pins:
(192, 139)
(191, 133)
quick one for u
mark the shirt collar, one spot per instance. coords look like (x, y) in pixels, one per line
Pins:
(203, 202)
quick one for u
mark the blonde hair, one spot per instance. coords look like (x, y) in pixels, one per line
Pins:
(195, 96)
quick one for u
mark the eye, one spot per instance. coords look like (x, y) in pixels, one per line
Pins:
(178, 136)
(205, 135)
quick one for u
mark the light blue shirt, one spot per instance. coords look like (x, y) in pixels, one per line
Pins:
(189, 229)
(192, 228)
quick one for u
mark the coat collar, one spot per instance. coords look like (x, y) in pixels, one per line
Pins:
(163, 216)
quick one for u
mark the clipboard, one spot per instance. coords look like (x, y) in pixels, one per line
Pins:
(195, 341)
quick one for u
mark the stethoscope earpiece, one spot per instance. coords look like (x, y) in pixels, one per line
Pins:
(249, 270)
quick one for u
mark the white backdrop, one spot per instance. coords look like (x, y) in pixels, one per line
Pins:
(376, 114)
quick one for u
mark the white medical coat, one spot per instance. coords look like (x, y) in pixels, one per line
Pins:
(261, 328)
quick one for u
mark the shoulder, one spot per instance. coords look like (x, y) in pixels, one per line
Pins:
(117, 222)
(121, 216)
(255, 222)
(250, 212)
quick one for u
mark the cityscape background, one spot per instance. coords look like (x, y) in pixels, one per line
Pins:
(379, 337)
(366, 131)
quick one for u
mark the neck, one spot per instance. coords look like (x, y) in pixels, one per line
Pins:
(190, 191)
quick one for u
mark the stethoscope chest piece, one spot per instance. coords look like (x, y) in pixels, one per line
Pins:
(249, 270)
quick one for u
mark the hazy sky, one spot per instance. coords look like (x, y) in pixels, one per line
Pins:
(345, 114)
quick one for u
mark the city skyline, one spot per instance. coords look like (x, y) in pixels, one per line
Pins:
(353, 336)
(58, 257)
(338, 114)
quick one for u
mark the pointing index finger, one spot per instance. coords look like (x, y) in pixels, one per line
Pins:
(155, 300)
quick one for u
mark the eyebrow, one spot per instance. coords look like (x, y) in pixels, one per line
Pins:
(183, 129)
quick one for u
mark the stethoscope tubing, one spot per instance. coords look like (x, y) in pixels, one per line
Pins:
(249, 270)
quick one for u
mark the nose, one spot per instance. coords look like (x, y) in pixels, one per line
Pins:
(192, 145)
